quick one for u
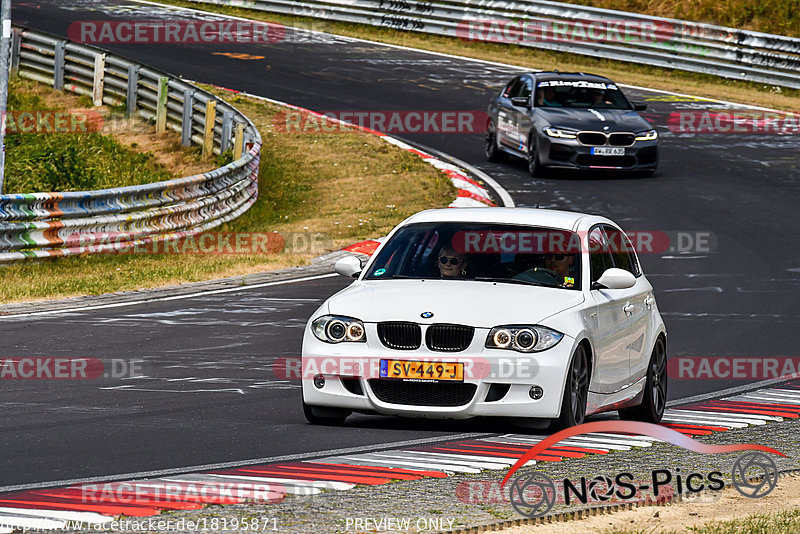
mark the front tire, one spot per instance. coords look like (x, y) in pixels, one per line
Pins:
(576, 391)
(318, 415)
(535, 167)
(651, 410)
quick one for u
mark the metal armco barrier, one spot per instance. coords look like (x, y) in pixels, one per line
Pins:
(43, 225)
(661, 42)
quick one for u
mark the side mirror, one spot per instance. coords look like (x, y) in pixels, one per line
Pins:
(615, 279)
(639, 106)
(349, 266)
(520, 101)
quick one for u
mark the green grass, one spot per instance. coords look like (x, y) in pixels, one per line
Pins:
(350, 187)
(44, 162)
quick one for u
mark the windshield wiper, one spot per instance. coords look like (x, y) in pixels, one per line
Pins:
(509, 281)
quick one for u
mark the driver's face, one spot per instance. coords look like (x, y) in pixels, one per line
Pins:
(559, 263)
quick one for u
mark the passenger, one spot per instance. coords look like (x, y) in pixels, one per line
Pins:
(561, 264)
(451, 264)
(546, 97)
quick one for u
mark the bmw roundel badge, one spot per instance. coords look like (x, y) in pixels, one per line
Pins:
(426, 315)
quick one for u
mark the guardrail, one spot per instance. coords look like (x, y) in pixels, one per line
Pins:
(42, 225)
(661, 42)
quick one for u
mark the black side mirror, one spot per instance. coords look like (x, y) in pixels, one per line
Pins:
(520, 101)
(639, 106)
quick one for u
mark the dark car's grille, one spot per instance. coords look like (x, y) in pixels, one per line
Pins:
(423, 393)
(401, 336)
(592, 138)
(448, 337)
(588, 160)
(621, 139)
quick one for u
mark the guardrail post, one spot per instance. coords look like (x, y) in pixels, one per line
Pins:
(133, 86)
(58, 66)
(227, 126)
(161, 105)
(188, 116)
(238, 143)
(99, 79)
(208, 137)
(16, 46)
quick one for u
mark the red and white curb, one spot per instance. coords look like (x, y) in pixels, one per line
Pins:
(101, 503)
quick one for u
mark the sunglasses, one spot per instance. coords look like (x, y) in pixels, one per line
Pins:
(453, 261)
(557, 257)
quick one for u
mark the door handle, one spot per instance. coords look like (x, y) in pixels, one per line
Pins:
(628, 308)
(649, 301)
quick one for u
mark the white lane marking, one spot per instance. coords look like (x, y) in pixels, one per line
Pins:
(732, 415)
(165, 299)
(475, 462)
(386, 462)
(86, 517)
(790, 392)
(730, 391)
(288, 481)
(765, 400)
(579, 443)
(616, 440)
(312, 456)
(692, 420)
(426, 464)
(494, 462)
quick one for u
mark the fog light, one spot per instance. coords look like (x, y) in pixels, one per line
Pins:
(536, 393)
(319, 382)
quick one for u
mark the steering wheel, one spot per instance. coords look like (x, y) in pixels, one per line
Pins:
(530, 274)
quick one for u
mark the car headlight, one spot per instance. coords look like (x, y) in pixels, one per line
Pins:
(336, 329)
(562, 134)
(650, 135)
(523, 338)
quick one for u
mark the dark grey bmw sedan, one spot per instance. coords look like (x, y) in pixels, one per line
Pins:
(570, 120)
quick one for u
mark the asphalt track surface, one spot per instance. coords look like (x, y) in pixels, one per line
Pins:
(209, 394)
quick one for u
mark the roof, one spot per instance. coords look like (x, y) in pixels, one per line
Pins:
(571, 75)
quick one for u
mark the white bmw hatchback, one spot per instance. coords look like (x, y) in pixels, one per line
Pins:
(511, 312)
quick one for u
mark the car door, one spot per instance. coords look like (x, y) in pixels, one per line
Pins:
(508, 133)
(610, 321)
(637, 301)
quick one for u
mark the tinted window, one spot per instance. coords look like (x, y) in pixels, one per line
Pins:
(580, 94)
(599, 253)
(622, 250)
(481, 252)
(526, 88)
(514, 88)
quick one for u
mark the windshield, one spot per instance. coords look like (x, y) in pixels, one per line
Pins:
(580, 94)
(482, 252)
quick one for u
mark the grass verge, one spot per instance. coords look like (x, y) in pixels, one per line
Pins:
(623, 72)
(330, 189)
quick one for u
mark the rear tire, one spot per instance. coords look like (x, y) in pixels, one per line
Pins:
(318, 415)
(490, 148)
(651, 410)
(576, 390)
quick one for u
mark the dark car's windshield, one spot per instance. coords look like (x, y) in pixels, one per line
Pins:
(482, 252)
(580, 94)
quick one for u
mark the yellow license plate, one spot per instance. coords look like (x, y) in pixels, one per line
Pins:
(427, 371)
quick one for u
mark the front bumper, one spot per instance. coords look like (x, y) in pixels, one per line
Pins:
(569, 153)
(496, 382)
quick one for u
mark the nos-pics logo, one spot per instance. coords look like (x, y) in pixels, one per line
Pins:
(533, 494)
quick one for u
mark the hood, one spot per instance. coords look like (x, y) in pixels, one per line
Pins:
(618, 120)
(478, 304)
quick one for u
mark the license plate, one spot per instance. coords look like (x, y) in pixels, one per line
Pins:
(422, 371)
(608, 151)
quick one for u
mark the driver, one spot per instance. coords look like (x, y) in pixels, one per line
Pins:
(561, 265)
(546, 97)
(451, 264)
